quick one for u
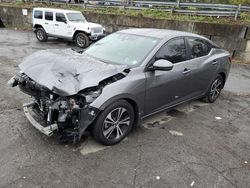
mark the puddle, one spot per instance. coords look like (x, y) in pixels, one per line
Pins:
(158, 120)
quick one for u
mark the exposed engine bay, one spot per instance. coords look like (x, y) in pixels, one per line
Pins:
(53, 110)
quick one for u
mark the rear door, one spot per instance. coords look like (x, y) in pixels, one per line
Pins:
(166, 88)
(202, 64)
(49, 22)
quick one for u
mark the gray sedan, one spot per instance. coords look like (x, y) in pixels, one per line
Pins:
(118, 81)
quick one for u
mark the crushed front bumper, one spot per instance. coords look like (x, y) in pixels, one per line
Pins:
(47, 130)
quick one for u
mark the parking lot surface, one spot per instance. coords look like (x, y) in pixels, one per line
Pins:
(194, 145)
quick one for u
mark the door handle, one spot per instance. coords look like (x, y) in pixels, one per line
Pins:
(215, 62)
(46, 23)
(56, 24)
(186, 71)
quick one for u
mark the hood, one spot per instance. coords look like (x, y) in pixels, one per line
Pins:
(85, 24)
(66, 72)
(93, 25)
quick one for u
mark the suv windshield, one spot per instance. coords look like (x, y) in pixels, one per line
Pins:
(121, 48)
(75, 17)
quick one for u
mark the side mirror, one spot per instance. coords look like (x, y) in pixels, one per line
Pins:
(65, 21)
(162, 64)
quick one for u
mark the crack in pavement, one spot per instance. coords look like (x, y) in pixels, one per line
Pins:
(138, 163)
(207, 165)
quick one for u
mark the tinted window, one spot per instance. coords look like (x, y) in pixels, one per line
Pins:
(198, 47)
(38, 14)
(60, 17)
(174, 51)
(48, 15)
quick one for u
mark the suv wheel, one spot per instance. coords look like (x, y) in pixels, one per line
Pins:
(214, 90)
(114, 123)
(41, 34)
(82, 40)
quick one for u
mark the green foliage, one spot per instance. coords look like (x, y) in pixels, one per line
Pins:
(243, 2)
(244, 17)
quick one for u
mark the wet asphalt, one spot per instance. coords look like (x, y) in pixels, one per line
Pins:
(194, 145)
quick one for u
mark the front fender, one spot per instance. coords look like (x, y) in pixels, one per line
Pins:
(125, 96)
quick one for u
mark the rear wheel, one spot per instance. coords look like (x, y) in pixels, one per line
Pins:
(82, 40)
(214, 90)
(114, 123)
(41, 35)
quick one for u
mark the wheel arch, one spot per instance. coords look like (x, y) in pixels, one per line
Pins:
(223, 75)
(79, 31)
(37, 26)
(128, 98)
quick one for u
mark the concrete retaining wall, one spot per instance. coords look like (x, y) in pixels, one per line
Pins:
(234, 38)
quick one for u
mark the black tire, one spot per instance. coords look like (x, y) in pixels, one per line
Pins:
(82, 40)
(108, 132)
(214, 90)
(41, 35)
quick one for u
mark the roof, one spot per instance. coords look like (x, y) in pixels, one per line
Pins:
(57, 10)
(159, 33)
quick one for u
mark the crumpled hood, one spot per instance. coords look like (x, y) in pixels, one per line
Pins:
(66, 72)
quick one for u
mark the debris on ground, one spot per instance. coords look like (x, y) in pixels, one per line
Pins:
(218, 118)
(157, 177)
(192, 184)
(175, 133)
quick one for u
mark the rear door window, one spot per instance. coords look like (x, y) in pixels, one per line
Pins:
(198, 47)
(38, 14)
(173, 51)
(49, 16)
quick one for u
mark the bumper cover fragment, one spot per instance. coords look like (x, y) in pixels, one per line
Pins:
(48, 130)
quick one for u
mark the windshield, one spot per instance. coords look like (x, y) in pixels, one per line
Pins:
(121, 48)
(75, 17)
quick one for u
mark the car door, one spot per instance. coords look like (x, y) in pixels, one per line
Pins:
(49, 22)
(202, 64)
(166, 88)
(62, 26)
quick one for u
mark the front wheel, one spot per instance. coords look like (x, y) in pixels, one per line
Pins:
(82, 40)
(214, 90)
(114, 123)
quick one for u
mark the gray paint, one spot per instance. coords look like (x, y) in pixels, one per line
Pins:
(66, 72)
(152, 91)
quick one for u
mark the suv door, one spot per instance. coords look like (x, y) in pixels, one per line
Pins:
(49, 22)
(166, 88)
(61, 26)
(202, 65)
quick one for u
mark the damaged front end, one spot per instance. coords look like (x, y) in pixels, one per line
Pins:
(68, 116)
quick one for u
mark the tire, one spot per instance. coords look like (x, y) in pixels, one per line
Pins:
(41, 35)
(108, 128)
(214, 90)
(82, 40)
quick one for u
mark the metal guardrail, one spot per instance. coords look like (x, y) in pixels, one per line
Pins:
(178, 7)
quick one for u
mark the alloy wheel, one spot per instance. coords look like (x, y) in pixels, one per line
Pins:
(216, 89)
(80, 41)
(116, 123)
(39, 34)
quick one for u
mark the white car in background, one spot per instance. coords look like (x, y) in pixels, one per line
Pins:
(66, 24)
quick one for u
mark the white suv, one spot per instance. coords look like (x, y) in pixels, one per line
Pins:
(65, 24)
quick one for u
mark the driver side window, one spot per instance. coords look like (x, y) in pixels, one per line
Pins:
(60, 17)
(173, 51)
